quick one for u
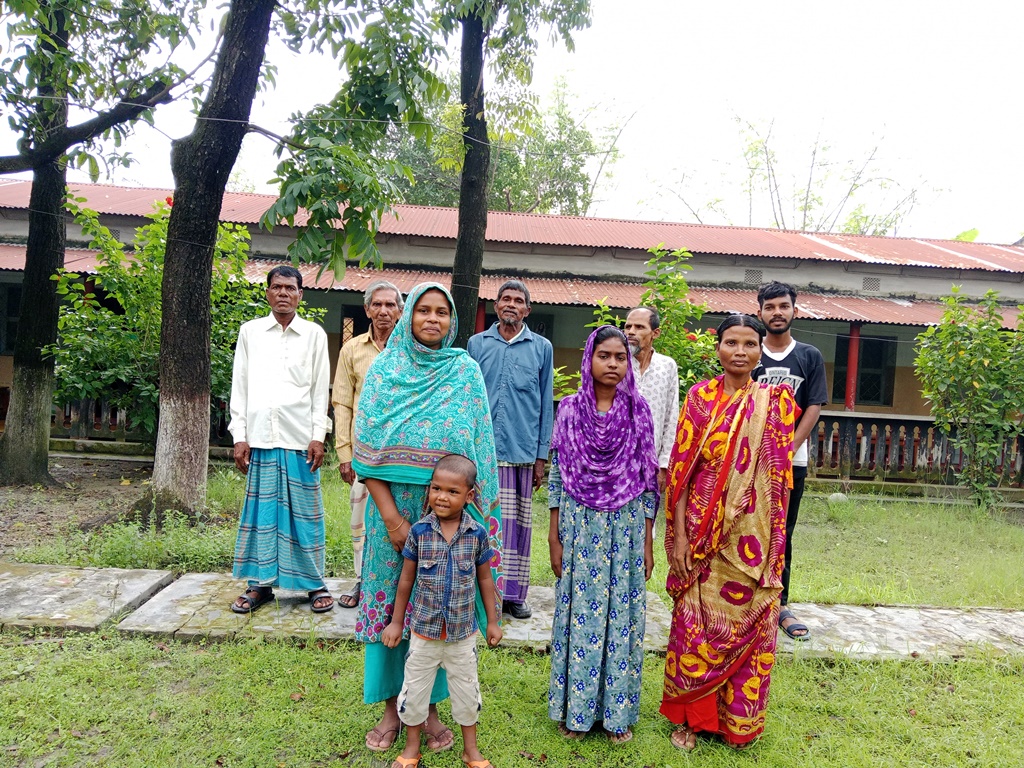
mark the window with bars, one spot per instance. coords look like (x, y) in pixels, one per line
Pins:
(876, 370)
(753, 277)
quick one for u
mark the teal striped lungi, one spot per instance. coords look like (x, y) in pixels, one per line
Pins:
(281, 528)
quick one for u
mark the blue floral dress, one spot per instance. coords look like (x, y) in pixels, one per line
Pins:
(597, 636)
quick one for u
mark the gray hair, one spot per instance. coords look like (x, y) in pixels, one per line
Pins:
(382, 285)
(513, 285)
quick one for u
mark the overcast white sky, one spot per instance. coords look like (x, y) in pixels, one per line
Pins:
(936, 85)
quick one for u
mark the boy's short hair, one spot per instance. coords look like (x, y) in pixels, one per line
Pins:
(458, 464)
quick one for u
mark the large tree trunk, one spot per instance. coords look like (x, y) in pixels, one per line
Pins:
(201, 164)
(469, 248)
(25, 443)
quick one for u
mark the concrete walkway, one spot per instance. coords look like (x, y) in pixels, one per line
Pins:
(198, 606)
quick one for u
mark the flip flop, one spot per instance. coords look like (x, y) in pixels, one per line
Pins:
(436, 738)
(687, 740)
(351, 599)
(620, 738)
(789, 630)
(319, 595)
(568, 732)
(477, 763)
(407, 762)
(376, 731)
(250, 604)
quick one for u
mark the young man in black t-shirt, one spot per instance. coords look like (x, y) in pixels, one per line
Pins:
(788, 361)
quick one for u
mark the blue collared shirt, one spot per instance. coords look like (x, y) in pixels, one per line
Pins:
(444, 601)
(519, 377)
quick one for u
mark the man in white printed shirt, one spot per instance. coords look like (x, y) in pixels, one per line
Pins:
(279, 393)
(657, 377)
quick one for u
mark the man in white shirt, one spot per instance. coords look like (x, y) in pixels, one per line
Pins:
(279, 392)
(657, 377)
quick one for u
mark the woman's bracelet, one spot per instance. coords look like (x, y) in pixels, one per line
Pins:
(392, 530)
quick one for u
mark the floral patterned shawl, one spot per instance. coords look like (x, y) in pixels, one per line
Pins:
(732, 463)
(419, 404)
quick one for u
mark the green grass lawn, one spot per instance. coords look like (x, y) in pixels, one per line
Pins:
(113, 700)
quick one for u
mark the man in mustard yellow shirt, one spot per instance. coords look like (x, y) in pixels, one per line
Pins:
(383, 304)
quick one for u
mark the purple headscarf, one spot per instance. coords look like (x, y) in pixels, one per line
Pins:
(608, 460)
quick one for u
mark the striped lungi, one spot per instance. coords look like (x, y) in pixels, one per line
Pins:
(281, 529)
(515, 496)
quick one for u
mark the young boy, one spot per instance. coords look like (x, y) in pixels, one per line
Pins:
(446, 554)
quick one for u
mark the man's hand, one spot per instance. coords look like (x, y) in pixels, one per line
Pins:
(315, 455)
(662, 477)
(242, 457)
(538, 473)
(347, 473)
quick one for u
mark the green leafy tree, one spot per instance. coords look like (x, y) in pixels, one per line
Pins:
(109, 343)
(61, 59)
(542, 163)
(972, 373)
(681, 337)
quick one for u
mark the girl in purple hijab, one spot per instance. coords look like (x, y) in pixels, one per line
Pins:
(602, 491)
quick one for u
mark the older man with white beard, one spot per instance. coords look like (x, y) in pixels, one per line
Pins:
(657, 377)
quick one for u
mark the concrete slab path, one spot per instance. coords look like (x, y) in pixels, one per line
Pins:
(68, 598)
(198, 606)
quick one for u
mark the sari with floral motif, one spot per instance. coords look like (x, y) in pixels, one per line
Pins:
(732, 465)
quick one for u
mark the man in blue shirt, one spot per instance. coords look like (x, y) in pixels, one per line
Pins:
(518, 370)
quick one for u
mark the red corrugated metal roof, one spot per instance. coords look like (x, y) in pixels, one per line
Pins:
(544, 230)
(573, 292)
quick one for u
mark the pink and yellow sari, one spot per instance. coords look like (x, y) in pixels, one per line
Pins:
(732, 463)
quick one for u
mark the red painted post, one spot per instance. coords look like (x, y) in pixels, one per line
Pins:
(481, 315)
(852, 360)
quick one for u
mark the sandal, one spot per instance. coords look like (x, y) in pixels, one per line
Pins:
(568, 733)
(407, 762)
(792, 629)
(351, 599)
(620, 738)
(379, 734)
(320, 594)
(246, 604)
(684, 738)
(437, 737)
(476, 763)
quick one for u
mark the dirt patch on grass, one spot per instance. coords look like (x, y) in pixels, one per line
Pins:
(90, 491)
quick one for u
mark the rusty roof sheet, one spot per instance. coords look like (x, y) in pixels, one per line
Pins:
(572, 291)
(574, 231)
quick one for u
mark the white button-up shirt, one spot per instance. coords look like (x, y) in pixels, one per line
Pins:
(659, 386)
(279, 385)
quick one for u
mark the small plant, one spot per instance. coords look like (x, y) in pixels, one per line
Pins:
(972, 372)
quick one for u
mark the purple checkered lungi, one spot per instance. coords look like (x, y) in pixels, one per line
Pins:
(515, 495)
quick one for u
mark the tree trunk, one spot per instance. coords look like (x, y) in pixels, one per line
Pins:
(201, 164)
(469, 248)
(25, 443)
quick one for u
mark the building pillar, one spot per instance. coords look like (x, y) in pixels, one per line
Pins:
(852, 361)
(481, 315)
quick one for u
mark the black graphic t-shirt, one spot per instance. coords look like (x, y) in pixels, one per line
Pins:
(803, 368)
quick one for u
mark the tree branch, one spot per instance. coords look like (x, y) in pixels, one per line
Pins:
(58, 143)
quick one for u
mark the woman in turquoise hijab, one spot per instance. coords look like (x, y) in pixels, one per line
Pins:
(422, 400)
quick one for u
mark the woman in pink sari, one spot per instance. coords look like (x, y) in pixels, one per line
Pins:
(725, 536)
